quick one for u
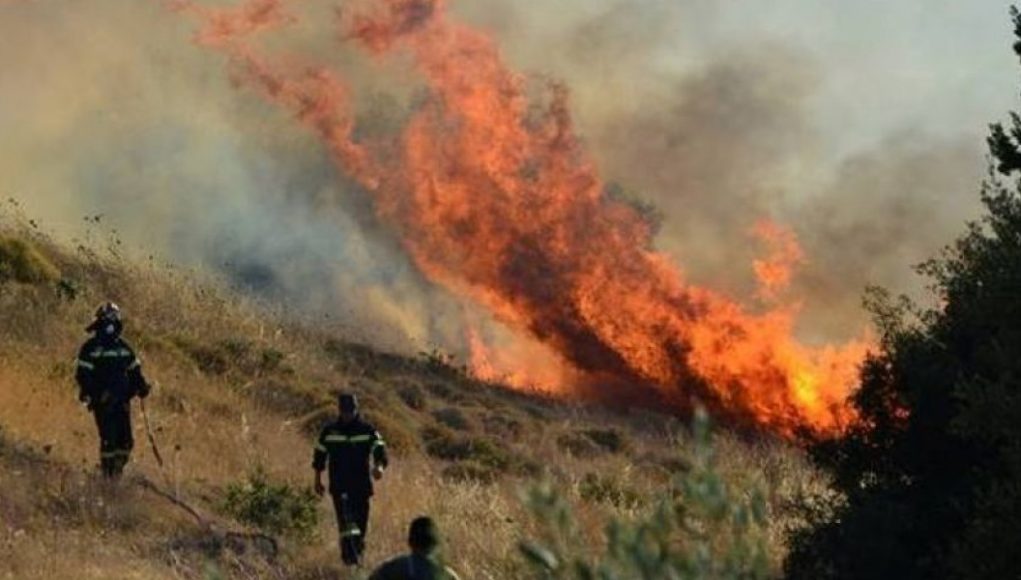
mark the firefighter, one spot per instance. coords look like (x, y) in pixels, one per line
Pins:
(348, 446)
(423, 563)
(109, 375)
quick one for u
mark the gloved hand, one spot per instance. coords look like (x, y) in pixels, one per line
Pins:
(144, 391)
(84, 399)
(377, 472)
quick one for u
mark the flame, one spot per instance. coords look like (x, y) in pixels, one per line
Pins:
(496, 200)
(518, 364)
(776, 271)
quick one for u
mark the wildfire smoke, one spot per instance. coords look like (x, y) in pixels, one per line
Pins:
(495, 199)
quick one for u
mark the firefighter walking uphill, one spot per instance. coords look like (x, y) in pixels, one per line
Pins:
(348, 446)
(109, 375)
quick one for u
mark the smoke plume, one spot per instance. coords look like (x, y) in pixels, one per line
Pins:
(675, 148)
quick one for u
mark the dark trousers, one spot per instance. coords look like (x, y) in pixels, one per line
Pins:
(115, 439)
(353, 522)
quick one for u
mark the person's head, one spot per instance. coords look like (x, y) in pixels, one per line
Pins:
(107, 323)
(348, 405)
(423, 536)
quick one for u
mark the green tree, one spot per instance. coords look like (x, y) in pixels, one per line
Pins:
(930, 479)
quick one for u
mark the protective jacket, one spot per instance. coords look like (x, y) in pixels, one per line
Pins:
(346, 449)
(109, 375)
(109, 372)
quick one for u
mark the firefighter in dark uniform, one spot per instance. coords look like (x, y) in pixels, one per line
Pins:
(109, 375)
(348, 446)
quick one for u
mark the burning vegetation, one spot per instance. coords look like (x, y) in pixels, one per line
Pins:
(494, 198)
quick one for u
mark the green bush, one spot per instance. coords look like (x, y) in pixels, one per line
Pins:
(274, 508)
(701, 529)
(21, 261)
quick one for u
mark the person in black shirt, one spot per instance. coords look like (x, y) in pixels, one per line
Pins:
(109, 375)
(347, 447)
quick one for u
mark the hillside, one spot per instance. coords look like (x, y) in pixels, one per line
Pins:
(242, 389)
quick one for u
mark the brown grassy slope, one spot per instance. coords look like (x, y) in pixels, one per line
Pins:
(239, 387)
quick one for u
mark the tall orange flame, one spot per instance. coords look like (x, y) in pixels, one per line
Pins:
(499, 202)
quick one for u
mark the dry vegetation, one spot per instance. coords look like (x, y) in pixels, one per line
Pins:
(240, 388)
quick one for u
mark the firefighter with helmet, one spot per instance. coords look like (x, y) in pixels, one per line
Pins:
(348, 446)
(109, 375)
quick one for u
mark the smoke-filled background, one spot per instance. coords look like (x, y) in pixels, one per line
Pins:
(858, 125)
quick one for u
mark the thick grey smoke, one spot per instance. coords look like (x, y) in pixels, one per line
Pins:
(717, 114)
(858, 125)
(108, 108)
(885, 210)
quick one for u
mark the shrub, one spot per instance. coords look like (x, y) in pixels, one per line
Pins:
(232, 356)
(273, 508)
(286, 398)
(68, 289)
(413, 397)
(442, 444)
(470, 472)
(703, 530)
(399, 437)
(591, 442)
(444, 391)
(209, 360)
(577, 445)
(600, 489)
(502, 427)
(272, 360)
(21, 261)
(452, 417)
(610, 440)
(443, 364)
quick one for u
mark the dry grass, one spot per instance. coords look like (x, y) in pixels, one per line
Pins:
(240, 386)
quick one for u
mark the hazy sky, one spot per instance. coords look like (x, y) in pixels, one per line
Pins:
(883, 65)
(864, 108)
(944, 65)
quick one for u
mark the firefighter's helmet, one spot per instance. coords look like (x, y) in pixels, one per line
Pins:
(108, 320)
(348, 403)
(108, 312)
